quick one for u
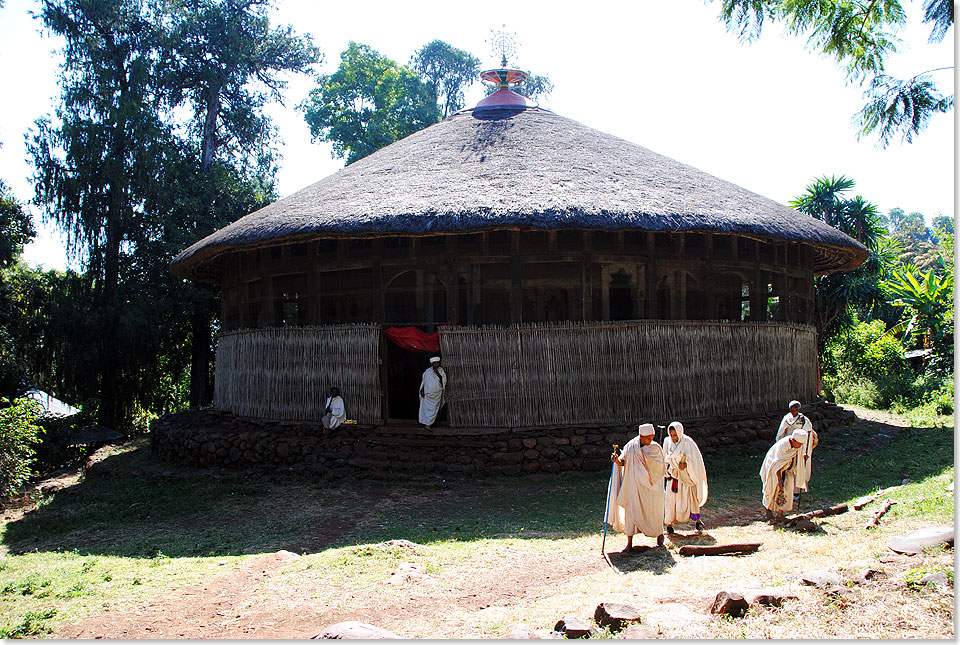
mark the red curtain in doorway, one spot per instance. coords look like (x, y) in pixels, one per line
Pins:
(413, 339)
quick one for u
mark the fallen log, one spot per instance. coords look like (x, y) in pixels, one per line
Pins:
(875, 520)
(823, 512)
(720, 549)
(863, 501)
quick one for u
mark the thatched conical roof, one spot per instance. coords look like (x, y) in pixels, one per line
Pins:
(517, 168)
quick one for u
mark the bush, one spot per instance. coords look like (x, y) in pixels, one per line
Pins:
(864, 366)
(52, 449)
(18, 434)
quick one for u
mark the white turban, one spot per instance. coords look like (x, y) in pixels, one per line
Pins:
(794, 403)
(646, 429)
(435, 359)
(799, 435)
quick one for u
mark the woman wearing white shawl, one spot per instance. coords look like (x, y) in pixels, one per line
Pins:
(779, 471)
(636, 493)
(686, 487)
(796, 420)
(334, 412)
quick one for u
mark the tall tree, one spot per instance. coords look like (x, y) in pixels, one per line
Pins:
(98, 163)
(225, 61)
(860, 35)
(825, 199)
(448, 71)
(368, 103)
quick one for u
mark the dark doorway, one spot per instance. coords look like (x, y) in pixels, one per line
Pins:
(404, 371)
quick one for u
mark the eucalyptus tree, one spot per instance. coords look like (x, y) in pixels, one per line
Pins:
(98, 161)
(860, 35)
(225, 62)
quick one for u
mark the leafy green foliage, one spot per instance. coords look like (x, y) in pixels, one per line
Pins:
(18, 434)
(368, 103)
(16, 227)
(859, 219)
(860, 35)
(448, 71)
(863, 365)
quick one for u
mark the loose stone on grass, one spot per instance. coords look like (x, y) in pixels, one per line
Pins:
(925, 538)
(410, 572)
(616, 615)
(573, 627)
(770, 596)
(820, 578)
(805, 526)
(353, 629)
(639, 631)
(730, 603)
(936, 578)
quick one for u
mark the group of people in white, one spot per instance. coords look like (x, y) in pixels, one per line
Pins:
(652, 487)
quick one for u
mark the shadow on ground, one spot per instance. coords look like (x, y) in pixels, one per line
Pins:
(133, 504)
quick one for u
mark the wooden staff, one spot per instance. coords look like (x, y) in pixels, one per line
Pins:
(606, 510)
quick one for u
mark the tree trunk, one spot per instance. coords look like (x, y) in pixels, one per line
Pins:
(720, 549)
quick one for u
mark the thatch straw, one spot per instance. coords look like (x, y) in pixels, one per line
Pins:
(622, 373)
(530, 169)
(286, 373)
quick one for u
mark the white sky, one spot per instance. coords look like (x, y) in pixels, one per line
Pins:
(769, 116)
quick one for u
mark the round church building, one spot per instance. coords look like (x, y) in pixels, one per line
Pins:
(568, 278)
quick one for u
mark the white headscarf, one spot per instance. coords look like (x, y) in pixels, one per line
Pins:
(435, 359)
(685, 446)
(799, 435)
(646, 429)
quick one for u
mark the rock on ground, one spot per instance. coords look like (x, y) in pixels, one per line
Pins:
(573, 627)
(730, 603)
(616, 615)
(355, 630)
(410, 572)
(925, 538)
(820, 578)
(770, 596)
(938, 578)
(639, 631)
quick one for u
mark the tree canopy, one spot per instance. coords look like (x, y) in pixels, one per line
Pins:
(368, 103)
(860, 35)
(448, 70)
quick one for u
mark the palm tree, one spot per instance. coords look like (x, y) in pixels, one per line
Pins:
(859, 219)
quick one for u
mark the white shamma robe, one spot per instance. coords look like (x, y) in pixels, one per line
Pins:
(692, 489)
(781, 458)
(801, 422)
(336, 415)
(432, 386)
(636, 490)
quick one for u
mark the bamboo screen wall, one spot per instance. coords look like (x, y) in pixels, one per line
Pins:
(624, 373)
(286, 373)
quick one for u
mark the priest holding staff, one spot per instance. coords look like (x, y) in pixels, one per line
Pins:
(636, 488)
(686, 486)
(779, 473)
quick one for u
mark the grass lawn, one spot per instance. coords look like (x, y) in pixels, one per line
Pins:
(136, 539)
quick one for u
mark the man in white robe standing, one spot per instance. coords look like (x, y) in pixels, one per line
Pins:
(432, 386)
(686, 485)
(334, 411)
(636, 489)
(779, 473)
(796, 420)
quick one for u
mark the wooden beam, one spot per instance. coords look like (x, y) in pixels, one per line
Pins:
(721, 549)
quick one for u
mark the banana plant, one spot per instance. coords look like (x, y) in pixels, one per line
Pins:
(925, 300)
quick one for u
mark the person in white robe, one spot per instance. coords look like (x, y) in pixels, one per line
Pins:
(779, 472)
(796, 420)
(686, 486)
(334, 411)
(636, 488)
(432, 387)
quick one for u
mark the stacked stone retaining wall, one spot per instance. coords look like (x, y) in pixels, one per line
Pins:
(210, 438)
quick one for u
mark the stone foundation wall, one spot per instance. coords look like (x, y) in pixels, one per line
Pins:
(210, 438)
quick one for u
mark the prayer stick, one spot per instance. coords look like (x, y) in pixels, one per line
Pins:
(720, 549)
(875, 520)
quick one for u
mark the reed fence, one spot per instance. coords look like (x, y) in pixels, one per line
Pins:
(607, 373)
(286, 373)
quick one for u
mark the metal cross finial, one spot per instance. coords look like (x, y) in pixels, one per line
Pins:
(503, 43)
